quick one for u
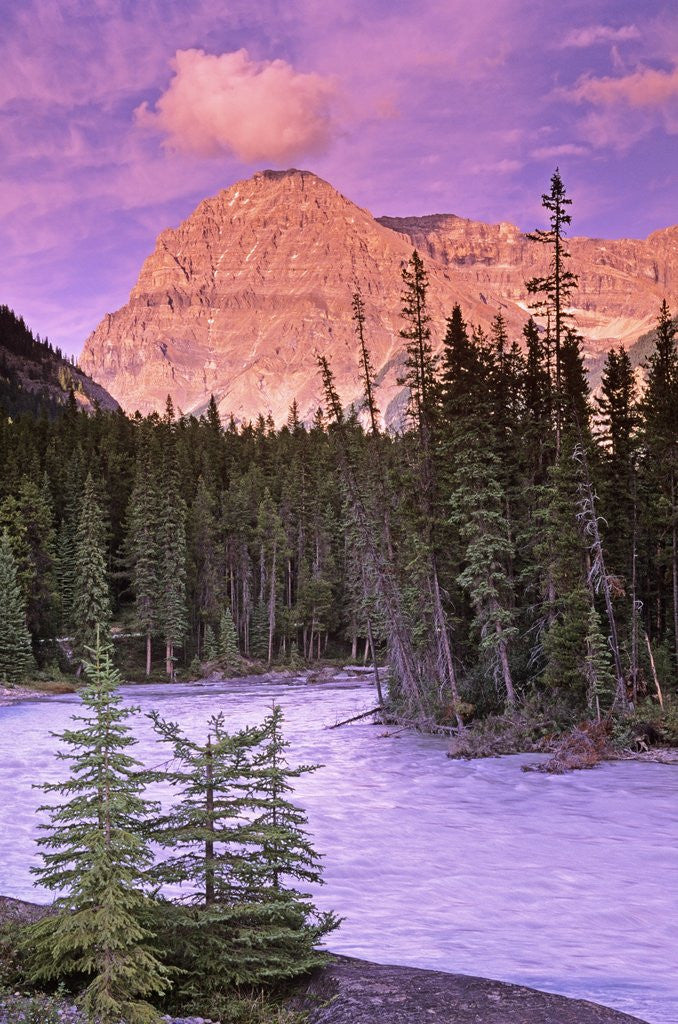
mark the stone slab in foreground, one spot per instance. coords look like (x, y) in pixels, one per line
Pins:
(352, 991)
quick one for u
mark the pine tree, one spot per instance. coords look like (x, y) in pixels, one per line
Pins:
(210, 651)
(16, 656)
(272, 553)
(235, 929)
(205, 557)
(143, 550)
(566, 599)
(228, 639)
(91, 600)
(95, 860)
(284, 852)
(555, 290)
(421, 380)
(28, 518)
(660, 440)
(477, 503)
(597, 667)
(172, 543)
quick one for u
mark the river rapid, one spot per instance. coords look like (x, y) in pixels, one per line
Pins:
(563, 883)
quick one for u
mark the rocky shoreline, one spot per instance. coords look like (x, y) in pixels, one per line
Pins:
(350, 991)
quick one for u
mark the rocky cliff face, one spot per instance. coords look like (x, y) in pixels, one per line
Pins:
(240, 299)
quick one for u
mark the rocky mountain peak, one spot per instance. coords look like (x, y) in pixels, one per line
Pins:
(240, 298)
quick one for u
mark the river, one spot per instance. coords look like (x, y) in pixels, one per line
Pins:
(564, 883)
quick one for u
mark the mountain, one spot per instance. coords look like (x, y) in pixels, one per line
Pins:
(34, 377)
(242, 296)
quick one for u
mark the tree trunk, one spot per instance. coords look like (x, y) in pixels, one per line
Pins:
(589, 518)
(444, 643)
(674, 565)
(634, 600)
(377, 680)
(149, 652)
(209, 808)
(169, 660)
(271, 605)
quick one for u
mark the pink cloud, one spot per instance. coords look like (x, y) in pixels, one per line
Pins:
(592, 34)
(646, 88)
(229, 103)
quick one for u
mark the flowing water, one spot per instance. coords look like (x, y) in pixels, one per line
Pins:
(563, 883)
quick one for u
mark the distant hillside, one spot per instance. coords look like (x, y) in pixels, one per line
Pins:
(644, 346)
(35, 377)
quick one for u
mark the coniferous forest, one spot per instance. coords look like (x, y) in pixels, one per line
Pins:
(516, 542)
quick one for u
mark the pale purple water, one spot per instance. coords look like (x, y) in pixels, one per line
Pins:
(565, 883)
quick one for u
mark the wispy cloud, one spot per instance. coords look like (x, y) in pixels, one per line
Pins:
(564, 149)
(647, 87)
(229, 103)
(591, 35)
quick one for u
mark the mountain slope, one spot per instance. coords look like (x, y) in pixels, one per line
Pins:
(242, 296)
(36, 378)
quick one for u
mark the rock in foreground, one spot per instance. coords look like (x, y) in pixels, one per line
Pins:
(357, 992)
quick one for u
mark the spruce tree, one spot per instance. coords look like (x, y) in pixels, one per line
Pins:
(210, 651)
(143, 547)
(232, 927)
(597, 668)
(477, 504)
(16, 656)
(660, 440)
(172, 573)
(228, 640)
(91, 600)
(554, 291)
(94, 858)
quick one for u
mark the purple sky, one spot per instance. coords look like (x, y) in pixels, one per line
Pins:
(117, 117)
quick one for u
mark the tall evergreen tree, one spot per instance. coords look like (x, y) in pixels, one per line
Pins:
(16, 656)
(554, 291)
(91, 600)
(95, 860)
(228, 639)
(660, 440)
(477, 503)
(172, 543)
(143, 548)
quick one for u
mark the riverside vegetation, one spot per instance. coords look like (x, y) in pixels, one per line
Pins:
(512, 552)
(233, 846)
(516, 545)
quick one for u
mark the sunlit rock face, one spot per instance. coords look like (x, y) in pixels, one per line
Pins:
(240, 299)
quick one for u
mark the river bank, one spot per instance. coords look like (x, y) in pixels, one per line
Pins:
(448, 865)
(329, 674)
(353, 991)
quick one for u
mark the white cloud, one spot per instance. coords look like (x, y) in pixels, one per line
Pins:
(231, 104)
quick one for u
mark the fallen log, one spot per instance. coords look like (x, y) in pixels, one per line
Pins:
(356, 718)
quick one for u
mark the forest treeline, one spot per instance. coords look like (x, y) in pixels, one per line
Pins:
(518, 536)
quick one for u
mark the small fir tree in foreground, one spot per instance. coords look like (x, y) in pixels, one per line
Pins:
(93, 856)
(230, 839)
(16, 657)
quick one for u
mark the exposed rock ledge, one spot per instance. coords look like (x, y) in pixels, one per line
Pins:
(352, 991)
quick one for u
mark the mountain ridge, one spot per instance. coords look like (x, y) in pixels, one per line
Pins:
(240, 298)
